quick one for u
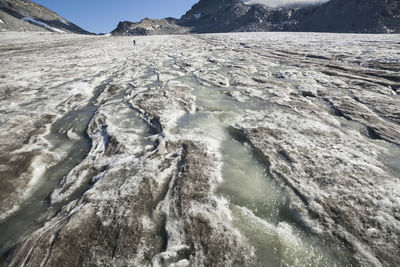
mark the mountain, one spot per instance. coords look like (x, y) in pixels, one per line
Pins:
(350, 16)
(371, 16)
(234, 15)
(150, 27)
(24, 15)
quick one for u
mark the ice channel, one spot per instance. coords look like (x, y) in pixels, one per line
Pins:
(257, 204)
(37, 208)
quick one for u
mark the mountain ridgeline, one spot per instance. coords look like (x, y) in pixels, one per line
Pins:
(27, 16)
(210, 16)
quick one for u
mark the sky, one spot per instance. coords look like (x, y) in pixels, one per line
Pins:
(102, 16)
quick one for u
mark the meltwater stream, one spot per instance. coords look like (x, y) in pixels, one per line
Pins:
(257, 204)
(36, 208)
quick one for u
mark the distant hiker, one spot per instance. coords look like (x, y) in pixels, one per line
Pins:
(134, 42)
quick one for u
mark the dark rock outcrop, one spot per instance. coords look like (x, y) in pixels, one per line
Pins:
(24, 15)
(230, 16)
(149, 27)
(374, 16)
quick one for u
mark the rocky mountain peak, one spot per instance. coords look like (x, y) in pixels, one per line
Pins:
(208, 16)
(24, 15)
(149, 26)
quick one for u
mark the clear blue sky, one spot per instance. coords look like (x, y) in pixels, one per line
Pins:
(103, 15)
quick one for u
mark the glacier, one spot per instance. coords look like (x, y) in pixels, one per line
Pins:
(250, 149)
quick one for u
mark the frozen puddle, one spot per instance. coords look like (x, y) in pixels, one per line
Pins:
(257, 205)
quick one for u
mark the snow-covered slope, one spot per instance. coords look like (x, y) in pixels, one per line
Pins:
(24, 15)
(245, 149)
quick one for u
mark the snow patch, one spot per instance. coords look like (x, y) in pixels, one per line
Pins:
(1, 21)
(64, 22)
(38, 169)
(81, 88)
(181, 263)
(197, 16)
(73, 135)
(284, 3)
(42, 24)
